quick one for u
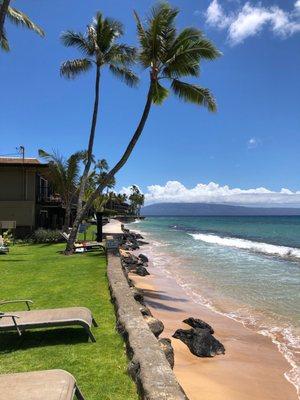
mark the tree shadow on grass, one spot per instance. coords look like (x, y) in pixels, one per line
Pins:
(11, 341)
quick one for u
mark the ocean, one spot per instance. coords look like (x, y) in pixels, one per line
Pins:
(247, 268)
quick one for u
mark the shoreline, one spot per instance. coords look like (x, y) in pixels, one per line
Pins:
(252, 366)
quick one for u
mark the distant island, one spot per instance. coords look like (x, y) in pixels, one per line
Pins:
(205, 209)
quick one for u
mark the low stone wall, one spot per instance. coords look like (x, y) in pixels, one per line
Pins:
(148, 366)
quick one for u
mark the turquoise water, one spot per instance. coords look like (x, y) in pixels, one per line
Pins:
(247, 268)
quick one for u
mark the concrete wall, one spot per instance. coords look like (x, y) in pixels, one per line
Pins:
(149, 367)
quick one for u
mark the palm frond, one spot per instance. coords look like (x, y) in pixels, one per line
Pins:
(125, 74)
(73, 169)
(70, 69)
(159, 93)
(194, 94)
(78, 40)
(158, 34)
(4, 45)
(142, 36)
(189, 48)
(107, 30)
(19, 18)
(121, 54)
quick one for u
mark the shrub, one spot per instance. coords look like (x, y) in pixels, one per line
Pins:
(7, 238)
(46, 236)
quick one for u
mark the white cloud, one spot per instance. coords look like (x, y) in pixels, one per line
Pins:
(249, 20)
(176, 192)
(253, 142)
(215, 15)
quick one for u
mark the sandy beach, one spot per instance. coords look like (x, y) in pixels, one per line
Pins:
(252, 367)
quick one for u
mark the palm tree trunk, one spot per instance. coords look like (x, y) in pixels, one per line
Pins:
(3, 12)
(99, 216)
(91, 142)
(67, 218)
(112, 172)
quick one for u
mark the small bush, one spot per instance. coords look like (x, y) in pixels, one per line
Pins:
(7, 238)
(47, 236)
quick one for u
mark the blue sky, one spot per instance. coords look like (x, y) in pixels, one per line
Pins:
(253, 140)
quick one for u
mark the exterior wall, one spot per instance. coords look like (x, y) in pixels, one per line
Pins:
(21, 211)
(17, 183)
(17, 195)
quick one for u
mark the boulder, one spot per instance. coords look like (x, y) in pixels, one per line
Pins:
(137, 294)
(145, 310)
(200, 342)
(198, 323)
(142, 242)
(155, 325)
(166, 346)
(143, 258)
(142, 271)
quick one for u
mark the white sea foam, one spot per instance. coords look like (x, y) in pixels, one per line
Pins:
(266, 248)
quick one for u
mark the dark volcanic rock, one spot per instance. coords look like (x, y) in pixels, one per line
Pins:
(155, 325)
(198, 324)
(137, 294)
(200, 342)
(167, 348)
(142, 242)
(143, 258)
(145, 311)
(142, 271)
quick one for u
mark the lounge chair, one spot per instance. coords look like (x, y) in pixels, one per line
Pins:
(55, 384)
(56, 317)
(3, 248)
(84, 245)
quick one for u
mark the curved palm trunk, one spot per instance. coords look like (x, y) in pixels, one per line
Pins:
(3, 12)
(112, 172)
(91, 143)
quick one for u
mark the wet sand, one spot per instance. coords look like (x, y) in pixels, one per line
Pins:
(252, 367)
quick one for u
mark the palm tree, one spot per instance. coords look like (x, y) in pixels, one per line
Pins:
(64, 176)
(100, 49)
(95, 178)
(18, 18)
(137, 200)
(168, 56)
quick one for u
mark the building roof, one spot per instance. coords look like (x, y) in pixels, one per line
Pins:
(20, 161)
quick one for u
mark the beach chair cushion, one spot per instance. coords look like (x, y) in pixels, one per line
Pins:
(46, 385)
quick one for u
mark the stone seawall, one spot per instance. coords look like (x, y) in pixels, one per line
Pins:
(148, 364)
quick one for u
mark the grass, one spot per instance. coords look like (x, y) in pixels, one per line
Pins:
(41, 273)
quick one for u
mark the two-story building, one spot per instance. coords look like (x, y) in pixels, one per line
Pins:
(26, 196)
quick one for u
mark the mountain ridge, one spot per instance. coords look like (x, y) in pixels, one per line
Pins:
(214, 209)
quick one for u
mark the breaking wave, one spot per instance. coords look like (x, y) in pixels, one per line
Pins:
(258, 247)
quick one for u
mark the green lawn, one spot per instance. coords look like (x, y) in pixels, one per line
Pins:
(41, 273)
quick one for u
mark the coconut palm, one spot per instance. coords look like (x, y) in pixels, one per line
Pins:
(17, 17)
(169, 56)
(96, 177)
(137, 199)
(100, 49)
(64, 176)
